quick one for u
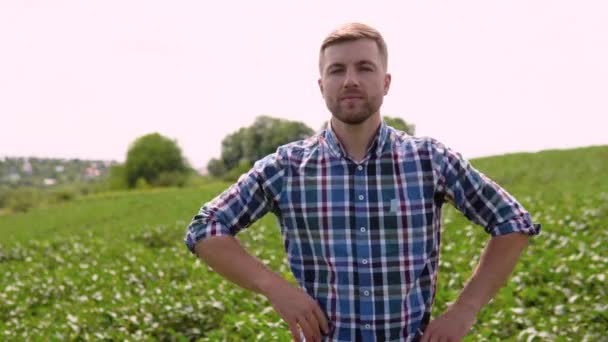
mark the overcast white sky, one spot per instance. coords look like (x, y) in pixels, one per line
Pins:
(84, 79)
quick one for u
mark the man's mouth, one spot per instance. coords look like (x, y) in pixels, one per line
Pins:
(352, 97)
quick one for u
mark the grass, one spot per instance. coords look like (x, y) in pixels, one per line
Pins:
(113, 266)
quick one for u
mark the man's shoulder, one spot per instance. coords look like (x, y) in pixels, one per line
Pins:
(291, 152)
(300, 147)
(409, 143)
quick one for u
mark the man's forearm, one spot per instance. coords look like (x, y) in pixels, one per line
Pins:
(494, 268)
(300, 311)
(226, 256)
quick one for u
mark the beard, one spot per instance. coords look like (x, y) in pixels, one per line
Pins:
(354, 114)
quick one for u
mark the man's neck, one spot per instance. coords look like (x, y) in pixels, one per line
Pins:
(355, 139)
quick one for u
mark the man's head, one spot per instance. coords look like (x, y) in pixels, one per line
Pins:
(353, 66)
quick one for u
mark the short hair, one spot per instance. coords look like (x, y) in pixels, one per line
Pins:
(355, 31)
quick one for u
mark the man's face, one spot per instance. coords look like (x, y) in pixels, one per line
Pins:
(353, 80)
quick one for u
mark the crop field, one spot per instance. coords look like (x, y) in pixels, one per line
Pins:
(114, 266)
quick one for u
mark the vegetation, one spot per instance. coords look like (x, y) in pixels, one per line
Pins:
(156, 160)
(152, 161)
(395, 122)
(400, 124)
(242, 148)
(44, 172)
(26, 183)
(113, 265)
(248, 144)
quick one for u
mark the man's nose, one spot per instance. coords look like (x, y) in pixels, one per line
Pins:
(351, 79)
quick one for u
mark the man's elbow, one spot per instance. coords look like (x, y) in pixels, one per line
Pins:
(515, 240)
(210, 245)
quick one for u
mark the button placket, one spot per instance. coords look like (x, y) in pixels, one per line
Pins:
(362, 241)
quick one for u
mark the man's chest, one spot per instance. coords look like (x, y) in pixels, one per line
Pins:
(383, 202)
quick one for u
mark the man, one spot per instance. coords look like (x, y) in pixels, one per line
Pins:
(359, 206)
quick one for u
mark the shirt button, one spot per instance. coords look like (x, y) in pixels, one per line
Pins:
(361, 197)
(367, 326)
(362, 229)
(359, 167)
(364, 261)
(366, 293)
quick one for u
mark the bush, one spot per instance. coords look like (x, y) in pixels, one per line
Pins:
(63, 195)
(141, 184)
(117, 179)
(171, 178)
(23, 199)
(234, 174)
(152, 155)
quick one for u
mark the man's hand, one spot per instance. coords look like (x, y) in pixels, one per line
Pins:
(225, 255)
(451, 326)
(297, 308)
(495, 266)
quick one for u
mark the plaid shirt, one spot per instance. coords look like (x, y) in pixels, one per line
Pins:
(362, 238)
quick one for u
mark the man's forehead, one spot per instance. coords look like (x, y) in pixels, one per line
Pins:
(354, 51)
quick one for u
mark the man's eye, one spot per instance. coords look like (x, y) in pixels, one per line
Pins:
(335, 71)
(365, 68)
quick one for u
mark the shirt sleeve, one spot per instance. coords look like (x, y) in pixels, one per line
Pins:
(251, 197)
(479, 198)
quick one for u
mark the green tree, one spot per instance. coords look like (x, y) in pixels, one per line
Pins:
(249, 144)
(151, 158)
(395, 122)
(117, 178)
(400, 124)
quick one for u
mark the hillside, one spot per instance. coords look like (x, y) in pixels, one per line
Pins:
(114, 266)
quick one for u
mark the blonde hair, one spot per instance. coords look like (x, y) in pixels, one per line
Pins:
(355, 31)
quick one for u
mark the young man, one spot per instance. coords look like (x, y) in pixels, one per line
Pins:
(359, 206)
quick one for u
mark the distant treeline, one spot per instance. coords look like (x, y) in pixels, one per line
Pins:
(26, 182)
(152, 161)
(44, 172)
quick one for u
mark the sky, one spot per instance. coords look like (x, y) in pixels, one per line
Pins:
(84, 79)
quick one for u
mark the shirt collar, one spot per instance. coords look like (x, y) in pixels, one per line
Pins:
(375, 147)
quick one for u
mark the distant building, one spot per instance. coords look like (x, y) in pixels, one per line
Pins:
(13, 177)
(108, 163)
(59, 168)
(203, 171)
(92, 171)
(49, 181)
(27, 167)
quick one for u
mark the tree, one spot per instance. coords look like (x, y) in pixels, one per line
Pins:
(155, 159)
(400, 124)
(394, 122)
(117, 178)
(249, 144)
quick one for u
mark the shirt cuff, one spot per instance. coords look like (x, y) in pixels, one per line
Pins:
(518, 225)
(198, 231)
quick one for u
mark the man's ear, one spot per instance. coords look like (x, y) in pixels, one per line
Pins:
(320, 85)
(387, 83)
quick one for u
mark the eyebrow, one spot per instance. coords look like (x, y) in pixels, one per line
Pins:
(359, 63)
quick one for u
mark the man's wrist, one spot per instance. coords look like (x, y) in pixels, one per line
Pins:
(465, 307)
(268, 282)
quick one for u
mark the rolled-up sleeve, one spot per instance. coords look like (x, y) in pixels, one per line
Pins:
(251, 197)
(479, 198)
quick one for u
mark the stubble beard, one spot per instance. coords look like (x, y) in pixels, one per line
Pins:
(349, 117)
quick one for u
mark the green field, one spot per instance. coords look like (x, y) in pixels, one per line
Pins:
(114, 266)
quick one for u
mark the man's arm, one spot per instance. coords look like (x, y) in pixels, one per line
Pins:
(485, 203)
(227, 257)
(495, 266)
(211, 237)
